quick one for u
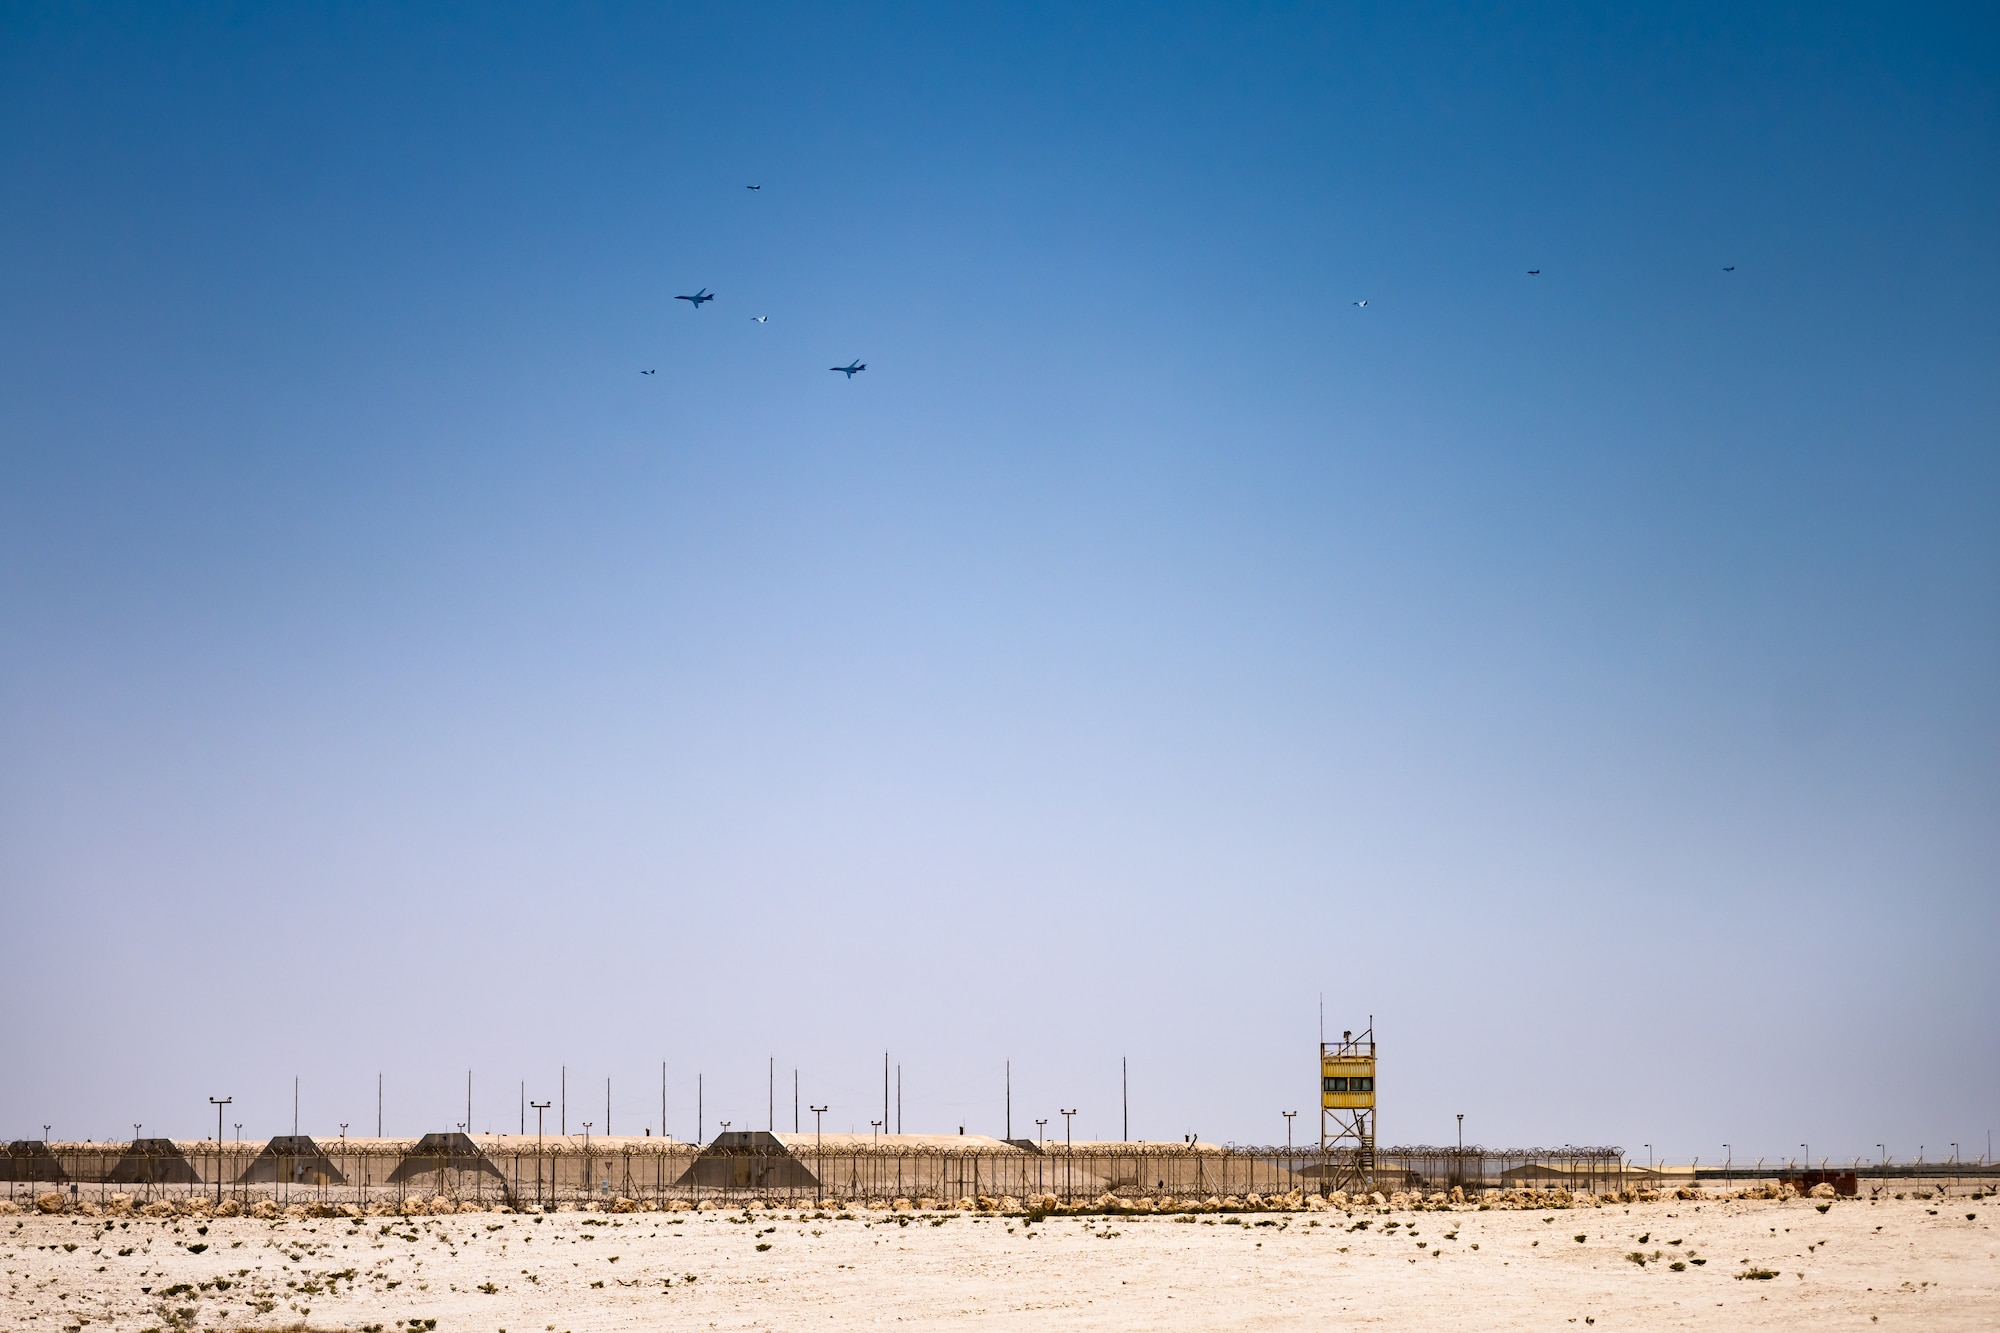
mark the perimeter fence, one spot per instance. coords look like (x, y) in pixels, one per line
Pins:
(490, 1170)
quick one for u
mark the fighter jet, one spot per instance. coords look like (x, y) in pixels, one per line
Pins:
(753, 187)
(849, 369)
(649, 372)
(703, 295)
(1534, 273)
(760, 319)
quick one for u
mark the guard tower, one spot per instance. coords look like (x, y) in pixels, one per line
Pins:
(1347, 1109)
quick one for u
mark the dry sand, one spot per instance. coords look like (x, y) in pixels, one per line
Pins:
(1909, 1265)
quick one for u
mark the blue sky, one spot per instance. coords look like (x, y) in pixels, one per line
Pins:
(1591, 675)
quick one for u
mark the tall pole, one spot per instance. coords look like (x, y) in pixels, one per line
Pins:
(468, 1102)
(818, 1153)
(219, 1102)
(539, 1108)
(607, 1108)
(378, 1104)
(1068, 1160)
(885, 1089)
(1125, 1093)
(899, 1104)
(1010, 1099)
(795, 1099)
(700, 1117)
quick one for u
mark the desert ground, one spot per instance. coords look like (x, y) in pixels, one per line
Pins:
(1910, 1264)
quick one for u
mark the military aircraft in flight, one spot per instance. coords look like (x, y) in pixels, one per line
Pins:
(703, 295)
(849, 369)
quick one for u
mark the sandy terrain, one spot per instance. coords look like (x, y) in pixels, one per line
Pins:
(1908, 1265)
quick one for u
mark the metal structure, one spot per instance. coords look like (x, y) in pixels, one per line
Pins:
(1347, 1126)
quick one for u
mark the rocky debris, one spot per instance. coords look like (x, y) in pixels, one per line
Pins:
(1824, 1191)
(624, 1205)
(266, 1209)
(157, 1208)
(8, 1208)
(51, 1202)
(229, 1208)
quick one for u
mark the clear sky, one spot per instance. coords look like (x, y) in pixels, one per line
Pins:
(1595, 675)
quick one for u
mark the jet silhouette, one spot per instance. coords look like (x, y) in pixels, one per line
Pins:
(849, 369)
(703, 295)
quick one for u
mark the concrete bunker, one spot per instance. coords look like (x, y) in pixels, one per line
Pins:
(291, 1159)
(447, 1164)
(31, 1160)
(153, 1162)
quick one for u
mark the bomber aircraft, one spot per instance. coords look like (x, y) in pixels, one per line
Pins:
(849, 369)
(703, 295)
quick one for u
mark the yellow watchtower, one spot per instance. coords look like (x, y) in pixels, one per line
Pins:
(1347, 1107)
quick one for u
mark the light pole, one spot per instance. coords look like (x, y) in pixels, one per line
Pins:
(539, 1108)
(1460, 1182)
(219, 1103)
(1068, 1162)
(819, 1167)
